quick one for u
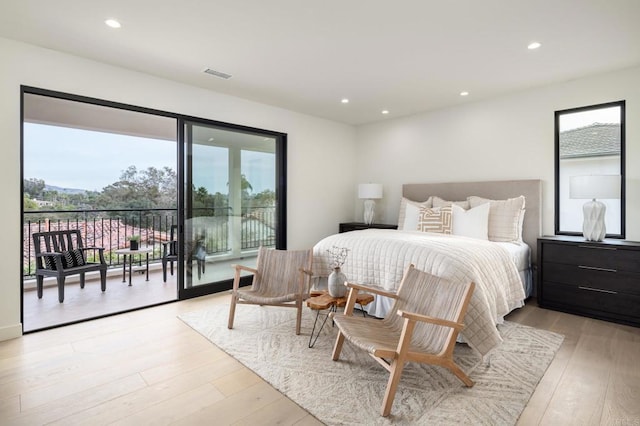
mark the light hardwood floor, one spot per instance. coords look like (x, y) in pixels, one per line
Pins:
(148, 367)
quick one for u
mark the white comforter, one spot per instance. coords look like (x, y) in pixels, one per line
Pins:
(379, 257)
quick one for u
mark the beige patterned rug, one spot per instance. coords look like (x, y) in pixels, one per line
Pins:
(350, 391)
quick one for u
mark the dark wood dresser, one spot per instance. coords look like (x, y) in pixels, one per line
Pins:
(600, 280)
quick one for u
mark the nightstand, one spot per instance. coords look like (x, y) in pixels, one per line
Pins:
(357, 226)
(595, 279)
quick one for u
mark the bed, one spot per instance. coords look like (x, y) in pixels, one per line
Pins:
(500, 269)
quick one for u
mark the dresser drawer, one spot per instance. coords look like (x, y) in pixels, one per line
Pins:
(590, 302)
(585, 276)
(593, 256)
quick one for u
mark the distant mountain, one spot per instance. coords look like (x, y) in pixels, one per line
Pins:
(65, 190)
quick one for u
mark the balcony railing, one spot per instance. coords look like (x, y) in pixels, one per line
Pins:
(112, 229)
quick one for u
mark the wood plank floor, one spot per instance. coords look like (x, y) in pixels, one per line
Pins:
(147, 367)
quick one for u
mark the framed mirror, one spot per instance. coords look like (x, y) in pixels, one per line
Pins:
(589, 167)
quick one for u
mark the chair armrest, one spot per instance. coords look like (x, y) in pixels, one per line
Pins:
(424, 318)
(92, 248)
(373, 289)
(49, 253)
(244, 268)
(306, 271)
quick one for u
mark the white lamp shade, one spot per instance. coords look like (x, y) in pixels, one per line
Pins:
(594, 187)
(370, 191)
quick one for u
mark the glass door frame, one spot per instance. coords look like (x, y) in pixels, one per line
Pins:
(185, 197)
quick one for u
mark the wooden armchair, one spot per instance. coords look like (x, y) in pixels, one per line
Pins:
(281, 278)
(422, 326)
(60, 254)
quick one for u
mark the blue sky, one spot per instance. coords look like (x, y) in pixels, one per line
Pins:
(76, 158)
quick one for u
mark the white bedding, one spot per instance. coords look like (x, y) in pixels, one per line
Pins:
(521, 254)
(379, 257)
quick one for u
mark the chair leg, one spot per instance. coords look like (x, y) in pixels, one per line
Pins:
(61, 288)
(337, 347)
(171, 267)
(164, 271)
(232, 311)
(103, 279)
(453, 367)
(299, 317)
(40, 284)
(392, 385)
(81, 279)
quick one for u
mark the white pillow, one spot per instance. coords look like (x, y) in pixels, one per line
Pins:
(472, 223)
(505, 217)
(439, 202)
(409, 212)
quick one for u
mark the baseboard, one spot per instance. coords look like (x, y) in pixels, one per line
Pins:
(10, 332)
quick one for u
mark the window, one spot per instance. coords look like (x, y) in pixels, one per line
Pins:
(589, 142)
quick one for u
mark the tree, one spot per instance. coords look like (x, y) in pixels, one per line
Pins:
(146, 189)
(28, 204)
(33, 187)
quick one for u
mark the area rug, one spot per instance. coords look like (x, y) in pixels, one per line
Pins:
(350, 391)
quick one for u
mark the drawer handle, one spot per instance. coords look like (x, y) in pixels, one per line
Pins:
(599, 290)
(597, 248)
(593, 268)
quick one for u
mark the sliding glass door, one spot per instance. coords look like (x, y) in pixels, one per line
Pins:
(197, 194)
(231, 204)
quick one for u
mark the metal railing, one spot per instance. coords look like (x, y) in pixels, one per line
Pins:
(112, 229)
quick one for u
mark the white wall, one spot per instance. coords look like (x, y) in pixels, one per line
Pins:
(320, 152)
(511, 137)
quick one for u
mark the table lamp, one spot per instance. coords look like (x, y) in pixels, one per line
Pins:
(369, 192)
(594, 186)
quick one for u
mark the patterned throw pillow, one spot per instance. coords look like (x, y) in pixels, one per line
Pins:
(435, 220)
(50, 262)
(73, 258)
(70, 259)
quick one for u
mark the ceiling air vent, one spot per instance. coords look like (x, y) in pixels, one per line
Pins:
(218, 73)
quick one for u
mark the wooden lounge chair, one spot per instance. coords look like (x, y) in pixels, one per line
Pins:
(281, 278)
(422, 326)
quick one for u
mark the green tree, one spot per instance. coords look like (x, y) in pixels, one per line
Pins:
(266, 198)
(144, 189)
(28, 204)
(33, 187)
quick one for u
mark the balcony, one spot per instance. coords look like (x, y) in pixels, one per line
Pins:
(226, 238)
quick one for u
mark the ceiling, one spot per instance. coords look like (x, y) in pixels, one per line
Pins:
(402, 56)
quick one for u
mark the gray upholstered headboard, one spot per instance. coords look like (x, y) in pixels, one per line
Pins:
(496, 190)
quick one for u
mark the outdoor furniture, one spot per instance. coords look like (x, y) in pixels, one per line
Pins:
(422, 326)
(129, 252)
(196, 250)
(61, 254)
(169, 252)
(281, 278)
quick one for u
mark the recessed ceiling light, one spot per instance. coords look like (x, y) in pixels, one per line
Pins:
(384, 111)
(112, 23)
(464, 93)
(345, 101)
(534, 45)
